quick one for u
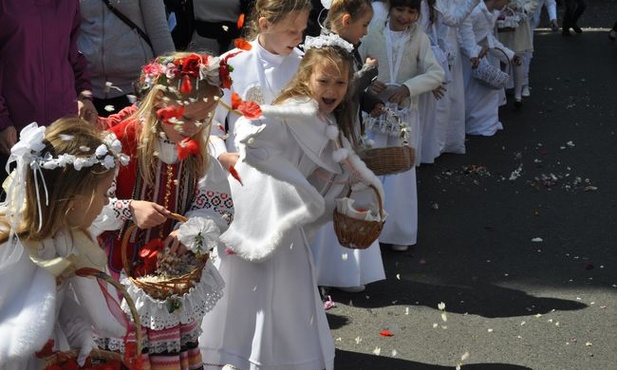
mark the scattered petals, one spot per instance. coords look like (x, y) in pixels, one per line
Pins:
(537, 240)
(240, 21)
(386, 333)
(187, 147)
(329, 303)
(377, 351)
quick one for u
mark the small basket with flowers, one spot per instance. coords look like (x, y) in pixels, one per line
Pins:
(162, 276)
(392, 159)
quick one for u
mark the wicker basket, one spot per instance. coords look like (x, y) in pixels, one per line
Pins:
(62, 359)
(358, 234)
(163, 289)
(490, 76)
(390, 160)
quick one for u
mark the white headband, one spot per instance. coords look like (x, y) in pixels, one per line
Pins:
(327, 40)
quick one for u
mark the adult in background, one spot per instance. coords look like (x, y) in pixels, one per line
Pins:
(574, 10)
(117, 43)
(43, 76)
(218, 23)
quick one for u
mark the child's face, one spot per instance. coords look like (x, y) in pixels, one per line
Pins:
(328, 84)
(196, 116)
(86, 207)
(282, 37)
(353, 30)
(401, 17)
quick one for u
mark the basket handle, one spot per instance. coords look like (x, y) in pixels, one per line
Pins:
(127, 236)
(506, 55)
(86, 271)
(379, 200)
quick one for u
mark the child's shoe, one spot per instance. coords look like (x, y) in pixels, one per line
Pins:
(399, 247)
(525, 93)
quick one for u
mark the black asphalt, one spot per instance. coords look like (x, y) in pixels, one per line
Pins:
(517, 237)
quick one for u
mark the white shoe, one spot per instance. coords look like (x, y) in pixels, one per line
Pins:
(399, 247)
(353, 289)
(526, 93)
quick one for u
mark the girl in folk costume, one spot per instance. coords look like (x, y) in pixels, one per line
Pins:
(409, 68)
(170, 171)
(444, 119)
(481, 102)
(337, 266)
(520, 40)
(261, 68)
(292, 168)
(59, 186)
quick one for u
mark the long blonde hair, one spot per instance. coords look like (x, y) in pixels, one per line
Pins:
(68, 135)
(338, 58)
(274, 11)
(148, 132)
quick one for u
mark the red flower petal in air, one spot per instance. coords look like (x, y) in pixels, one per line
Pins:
(185, 86)
(235, 100)
(242, 44)
(170, 111)
(386, 333)
(240, 22)
(235, 174)
(250, 109)
(187, 147)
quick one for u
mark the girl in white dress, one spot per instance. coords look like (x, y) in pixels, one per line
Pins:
(444, 23)
(261, 69)
(482, 103)
(58, 188)
(408, 69)
(340, 267)
(292, 166)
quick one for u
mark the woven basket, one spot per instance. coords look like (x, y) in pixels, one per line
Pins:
(357, 234)
(163, 289)
(60, 359)
(490, 76)
(390, 160)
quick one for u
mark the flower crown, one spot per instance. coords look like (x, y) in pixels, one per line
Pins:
(330, 39)
(175, 73)
(30, 146)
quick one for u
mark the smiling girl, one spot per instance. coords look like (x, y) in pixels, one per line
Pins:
(271, 315)
(408, 69)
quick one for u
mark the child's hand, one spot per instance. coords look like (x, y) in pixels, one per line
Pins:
(8, 138)
(228, 159)
(376, 87)
(439, 92)
(399, 94)
(377, 110)
(174, 245)
(148, 214)
(371, 62)
(517, 60)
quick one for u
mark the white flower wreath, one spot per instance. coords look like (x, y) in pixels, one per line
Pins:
(330, 39)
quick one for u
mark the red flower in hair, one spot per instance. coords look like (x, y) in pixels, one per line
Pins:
(169, 112)
(190, 64)
(187, 147)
